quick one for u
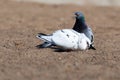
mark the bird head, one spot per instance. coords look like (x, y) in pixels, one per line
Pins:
(79, 16)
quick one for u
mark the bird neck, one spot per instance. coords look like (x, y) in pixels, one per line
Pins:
(79, 25)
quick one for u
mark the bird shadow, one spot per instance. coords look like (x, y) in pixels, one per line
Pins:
(56, 49)
(60, 50)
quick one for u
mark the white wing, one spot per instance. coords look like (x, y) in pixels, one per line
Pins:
(65, 38)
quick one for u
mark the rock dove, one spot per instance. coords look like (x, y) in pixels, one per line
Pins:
(81, 27)
(67, 39)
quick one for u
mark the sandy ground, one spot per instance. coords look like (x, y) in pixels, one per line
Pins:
(21, 60)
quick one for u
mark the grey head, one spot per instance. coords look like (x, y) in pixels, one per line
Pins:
(80, 16)
(80, 24)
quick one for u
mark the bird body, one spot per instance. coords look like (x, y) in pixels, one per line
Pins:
(79, 37)
(67, 39)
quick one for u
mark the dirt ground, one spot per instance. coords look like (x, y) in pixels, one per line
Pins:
(21, 60)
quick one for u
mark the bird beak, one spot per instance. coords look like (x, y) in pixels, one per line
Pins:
(76, 14)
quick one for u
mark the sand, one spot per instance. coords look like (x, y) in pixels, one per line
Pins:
(21, 60)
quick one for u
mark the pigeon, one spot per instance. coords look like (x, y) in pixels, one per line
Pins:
(66, 39)
(81, 27)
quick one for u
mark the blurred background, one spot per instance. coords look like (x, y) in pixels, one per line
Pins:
(80, 2)
(22, 20)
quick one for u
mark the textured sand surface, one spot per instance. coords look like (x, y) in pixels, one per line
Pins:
(21, 60)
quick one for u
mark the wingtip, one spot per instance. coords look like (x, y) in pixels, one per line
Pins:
(38, 36)
(41, 34)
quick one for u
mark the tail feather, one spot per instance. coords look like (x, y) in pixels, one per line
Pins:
(44, 37)
(44, 45)
(92, 47)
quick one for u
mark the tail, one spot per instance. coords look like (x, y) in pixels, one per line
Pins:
(92, 47)
(44, 37)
